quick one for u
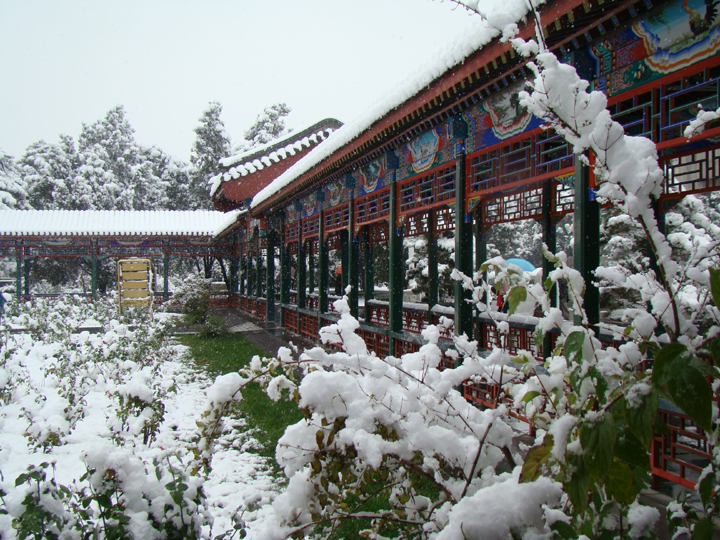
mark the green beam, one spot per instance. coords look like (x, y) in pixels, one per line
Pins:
(587, 238)
(463, 246)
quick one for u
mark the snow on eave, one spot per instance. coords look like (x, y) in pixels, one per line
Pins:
(472, 38)
(18, 223)
(228, 224)
(318, 129)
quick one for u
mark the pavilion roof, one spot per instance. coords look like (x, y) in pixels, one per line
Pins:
(114, 222)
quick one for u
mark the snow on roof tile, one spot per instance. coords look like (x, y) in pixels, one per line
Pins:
(113, 222)
(473, 37)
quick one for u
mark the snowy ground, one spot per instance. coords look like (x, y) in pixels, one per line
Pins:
(61, 402)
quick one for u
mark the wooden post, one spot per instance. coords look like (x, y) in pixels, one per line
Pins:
(396, 270)
(550, 240)
(353, 262)
(463, 246)
(587, 237)
(323, 270)
(270, 277)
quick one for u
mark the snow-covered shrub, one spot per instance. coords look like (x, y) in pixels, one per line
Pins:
(193, 296)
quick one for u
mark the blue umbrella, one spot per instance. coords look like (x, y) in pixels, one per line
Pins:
(522, 263)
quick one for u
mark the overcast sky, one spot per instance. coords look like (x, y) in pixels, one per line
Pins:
(65, 63)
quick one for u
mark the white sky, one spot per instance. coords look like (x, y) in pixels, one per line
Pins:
(65, 63)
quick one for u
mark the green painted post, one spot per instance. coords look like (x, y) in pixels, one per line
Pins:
(353, 263)
(323, 270)
(258, 271)
(463, 246)
(27, 275)
(311, 277)
(18, 270)
(480, 258)
(270, 277)
(93, 268)
(284, 269)
(433, 274)
(166, 270)
(587, 238)
(301, 275)
(344, 260)
(396, 270)
(550, 240)
(369, 256)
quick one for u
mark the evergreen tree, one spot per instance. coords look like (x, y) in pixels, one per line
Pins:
(211, 145)
(269, 125)
(12, 191)
(47, 169)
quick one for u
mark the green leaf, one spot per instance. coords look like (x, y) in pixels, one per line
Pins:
(515, 297)
(706, 487)
(713, 349)
(535, 459)
(691, 392)
(573, 346)
(530, 395)
(703, 530)
(640, 419)
(577, 487)
(564, 530)
(630, 450)
(620, 483)
(702, 366)
(666, 361)
(715, 285)
(598, 442)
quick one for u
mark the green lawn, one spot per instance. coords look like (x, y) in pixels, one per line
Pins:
(230, 352)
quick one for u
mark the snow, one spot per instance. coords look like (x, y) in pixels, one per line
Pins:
(113, 222)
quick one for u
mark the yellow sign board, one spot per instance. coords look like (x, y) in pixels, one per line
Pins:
(134, 278)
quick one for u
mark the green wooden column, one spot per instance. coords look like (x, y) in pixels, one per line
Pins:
(301, 274)
(18, 270)
(270, 277)
(433, 274)
(463, 246)
(166, 270)
(396, 270)
(26, 267)
(480, 258)
(235, 266)
(93, 268)
(353, 263)
(587, 238)
(258, 271)
(344, 260)
(311, 274)
(323, 270)
(284, 269)
(369, 265)
(550, 240)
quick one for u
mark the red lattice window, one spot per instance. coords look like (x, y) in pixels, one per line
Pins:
(373, 207)
(692, 173)
(292, 248)
(310, 227)
(552, 153)
(337, 218)
(517, 339)
(414, 321)
(334, 241)
(379, 232)
(526, 204)
(564, 194)
(376, 342)
(405, 347)
(483, 171)
(290, 319)
(635, 114)
(378, 314)
(292, 232)
(680, 101)
(445, 219)
(417, 224)
(261, 308)
(427, 190)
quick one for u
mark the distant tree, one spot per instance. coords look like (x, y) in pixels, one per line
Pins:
(13, 194)
(211, 145)
(269, 125)
(47, 170)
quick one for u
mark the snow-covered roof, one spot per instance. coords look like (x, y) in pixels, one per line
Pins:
(114, 222)
(473, 37)
(264, 156)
